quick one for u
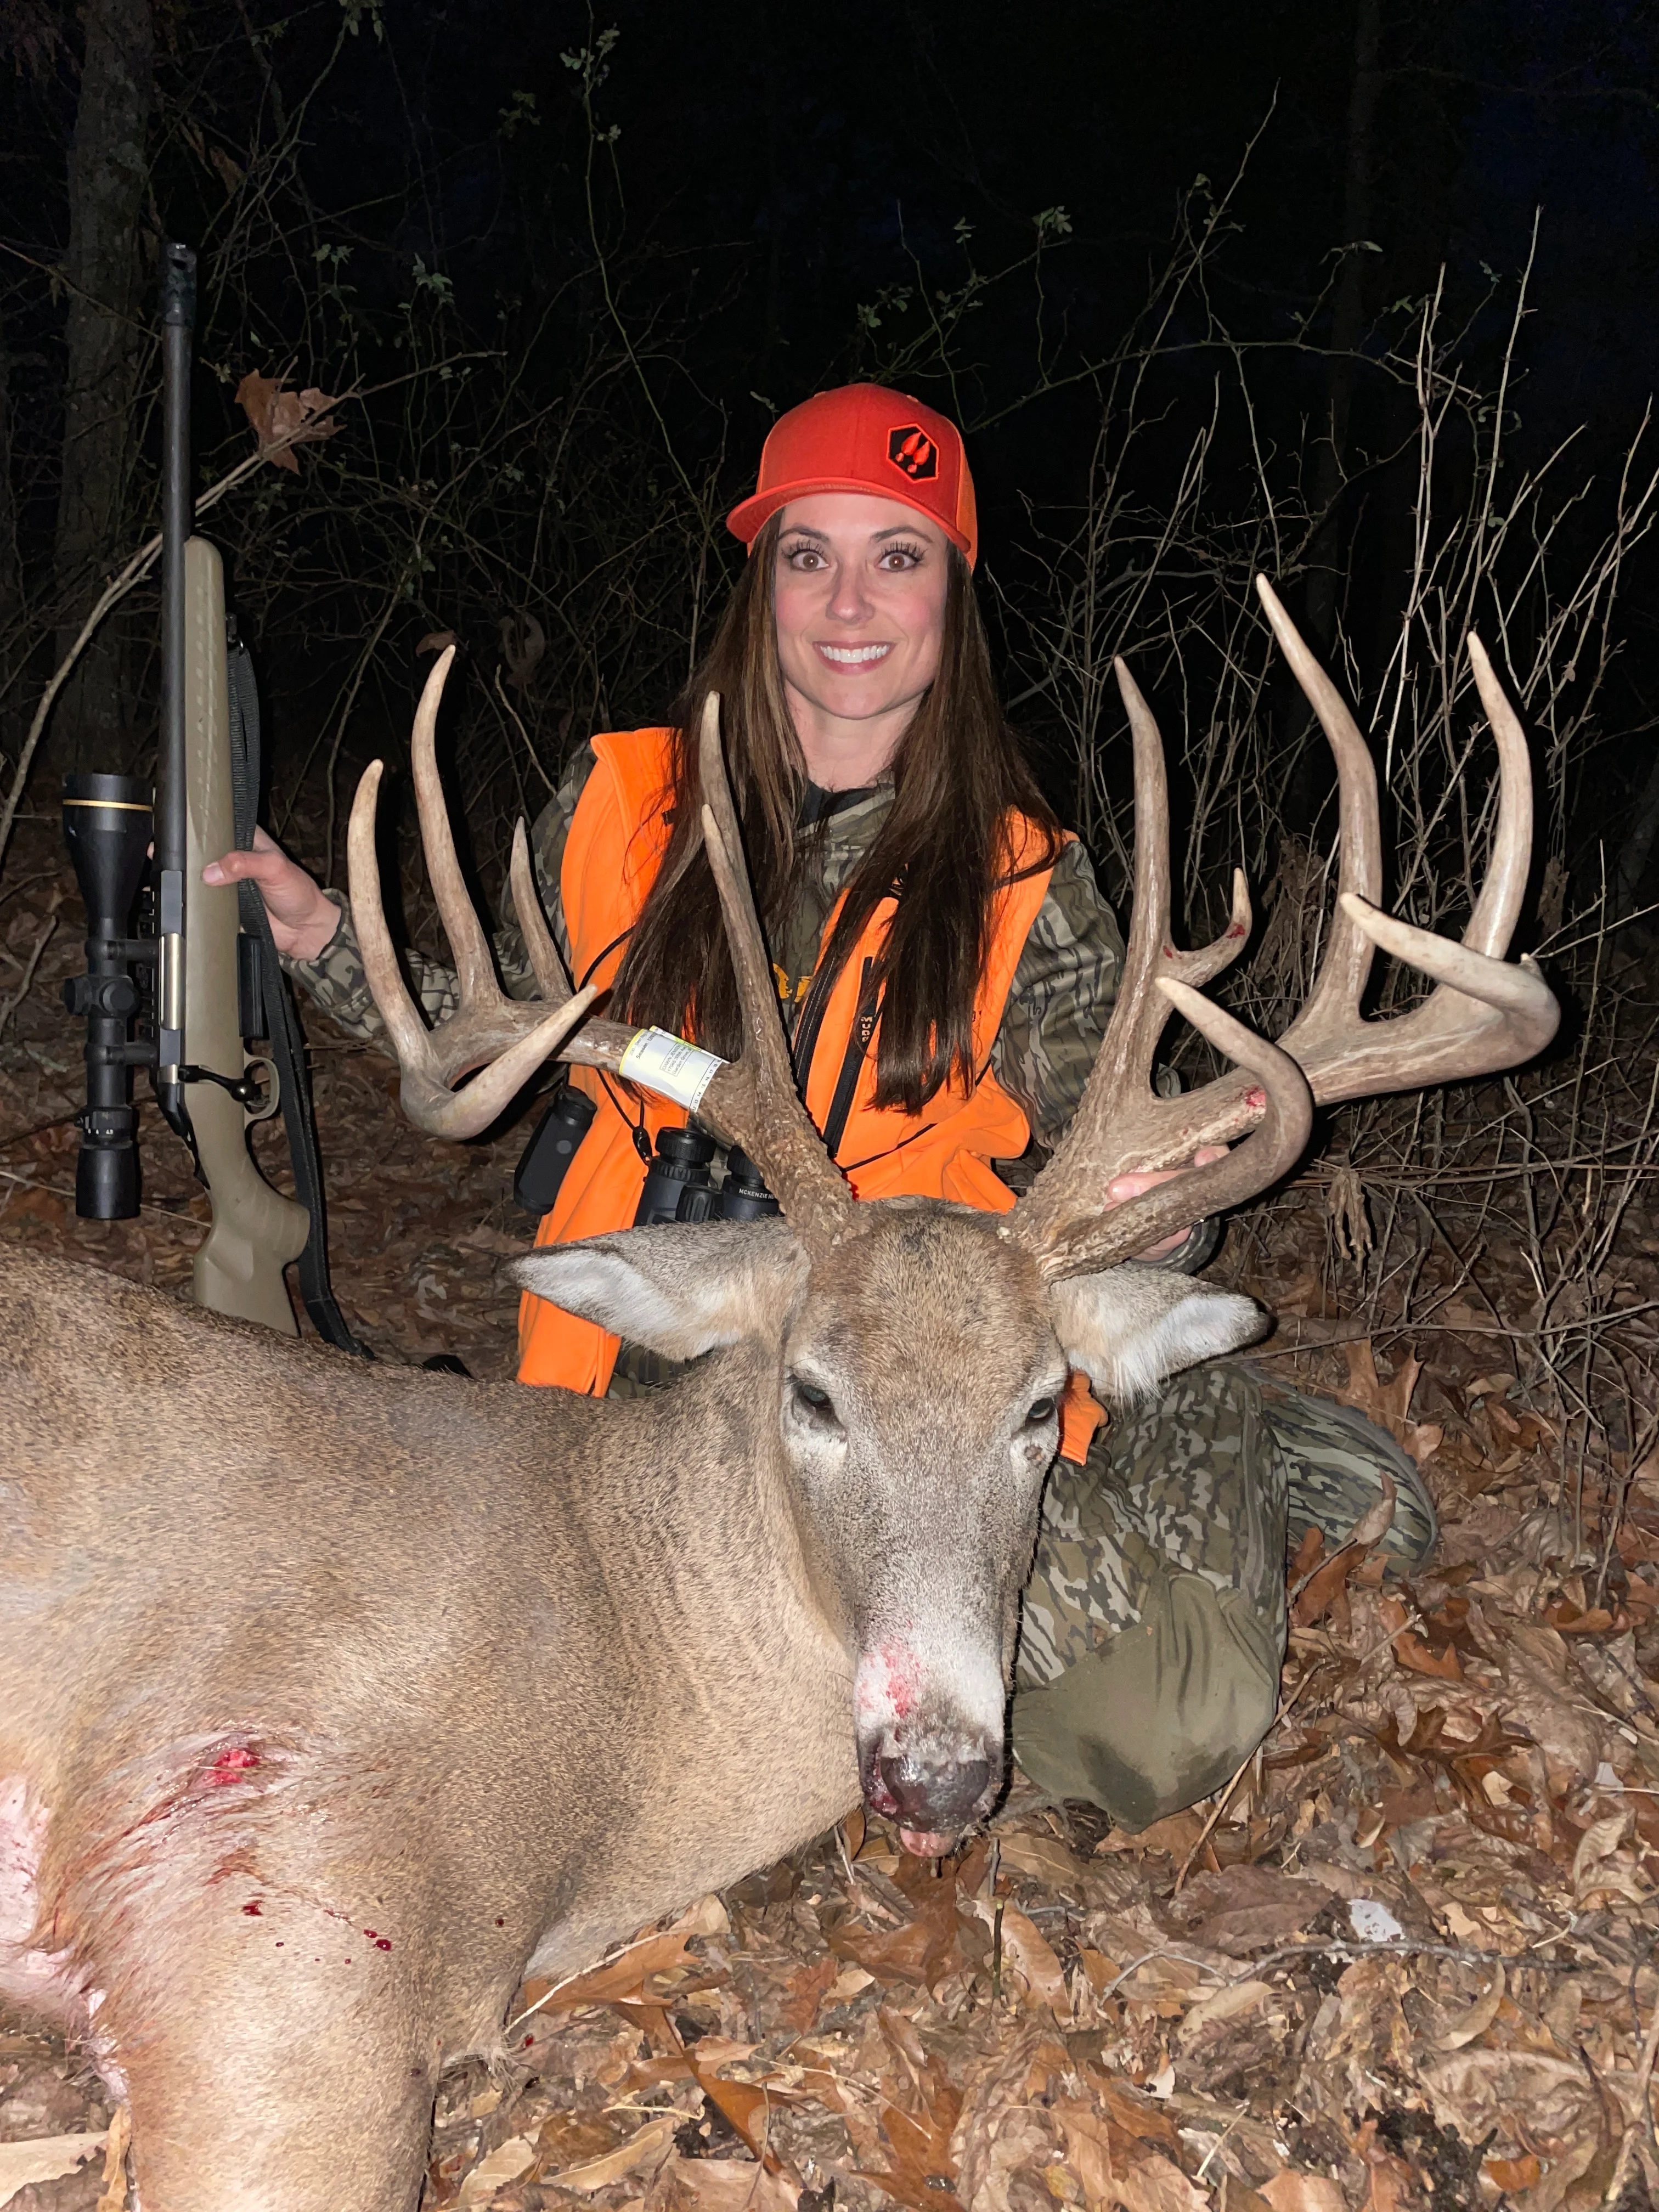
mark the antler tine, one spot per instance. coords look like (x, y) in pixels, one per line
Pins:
(475, 970)
(408, 1032)
(752, 1101)
(1085, 1244)
(1340, 983)
(1121, 1123)
(428, 1074)
(552, 978)
(1499, 907)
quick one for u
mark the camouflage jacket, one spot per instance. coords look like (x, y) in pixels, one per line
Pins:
(1052, 1026)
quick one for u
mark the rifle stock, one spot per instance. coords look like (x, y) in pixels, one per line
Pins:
(256, 1231)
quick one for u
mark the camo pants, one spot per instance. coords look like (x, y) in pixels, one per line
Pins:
(1154, 1625)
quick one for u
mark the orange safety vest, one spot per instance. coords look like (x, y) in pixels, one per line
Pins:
(617, 838)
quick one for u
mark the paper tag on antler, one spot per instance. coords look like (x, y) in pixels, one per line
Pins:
(669, 1065)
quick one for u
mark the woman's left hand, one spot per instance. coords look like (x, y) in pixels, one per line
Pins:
(1125, 1186)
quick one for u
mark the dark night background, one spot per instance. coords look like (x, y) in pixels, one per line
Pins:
(575, 260)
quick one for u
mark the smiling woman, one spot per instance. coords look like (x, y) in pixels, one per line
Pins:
(946, 969)
(858, 606)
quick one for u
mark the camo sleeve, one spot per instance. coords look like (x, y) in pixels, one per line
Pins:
(334, 981)
(1061, 999)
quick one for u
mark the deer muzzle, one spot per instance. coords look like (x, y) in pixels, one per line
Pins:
(930, 1743)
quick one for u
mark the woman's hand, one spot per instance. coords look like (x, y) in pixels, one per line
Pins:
(1125, 1186)
(303, 920)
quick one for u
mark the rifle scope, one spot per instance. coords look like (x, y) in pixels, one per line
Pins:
(109, 820)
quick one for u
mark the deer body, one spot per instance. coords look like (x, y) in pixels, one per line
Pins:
(355, 1614)
(334, 1700)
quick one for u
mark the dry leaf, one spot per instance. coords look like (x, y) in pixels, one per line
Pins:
(618, 1981)
(504, 2164)
(47, 2157)
(1089, 2151)
(283, 419)
(1176, 1833)
(1412, 1652)
(436, 641)
(1388, 1404)
(1477, 2019)
(1291, 2191)
(1599, 1841)
(1249, 1908)
(1028, 1952)
(718, 2185)
(708, 1916)
(920, 1951)
(113, 2196)
(1220, 2006)
(647, 2143)
(1046, 1859)
(1154, 2185)
(1512, 2174)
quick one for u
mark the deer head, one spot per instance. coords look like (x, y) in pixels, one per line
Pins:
(903, 1359)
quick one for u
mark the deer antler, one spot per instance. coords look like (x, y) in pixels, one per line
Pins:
(753, 1101)
(509, 1038)
(1484, 1014)
(750, 1102)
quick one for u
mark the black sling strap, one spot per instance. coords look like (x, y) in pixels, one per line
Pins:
(282, 1023)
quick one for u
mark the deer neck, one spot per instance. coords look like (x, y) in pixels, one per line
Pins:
(731, 1689)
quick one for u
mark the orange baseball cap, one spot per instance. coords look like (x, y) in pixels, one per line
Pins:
(864, 438)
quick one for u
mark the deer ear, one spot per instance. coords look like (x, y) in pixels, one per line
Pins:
(679, 1290)
(1131, 1326)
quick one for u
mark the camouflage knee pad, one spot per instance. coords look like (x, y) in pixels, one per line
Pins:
(1190, 1484)
(1154, 1625)
(1334, 1458)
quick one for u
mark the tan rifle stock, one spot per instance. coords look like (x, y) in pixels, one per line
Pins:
(256, 1231)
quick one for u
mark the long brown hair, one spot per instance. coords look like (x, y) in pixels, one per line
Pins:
(958, 774)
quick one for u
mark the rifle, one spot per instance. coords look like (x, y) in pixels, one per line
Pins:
(198, 985)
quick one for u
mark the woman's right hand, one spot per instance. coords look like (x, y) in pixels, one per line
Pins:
(302, 921)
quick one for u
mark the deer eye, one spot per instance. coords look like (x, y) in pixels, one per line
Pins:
(812, 1398)
(1042, 1410)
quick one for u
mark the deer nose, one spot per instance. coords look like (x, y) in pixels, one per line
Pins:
(938, 1796)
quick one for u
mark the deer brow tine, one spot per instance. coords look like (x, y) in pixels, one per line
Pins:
(457, 1113)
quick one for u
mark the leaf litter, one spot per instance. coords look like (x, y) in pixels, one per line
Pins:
(1408, 1962)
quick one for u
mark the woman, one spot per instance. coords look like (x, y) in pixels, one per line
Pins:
(946, 967)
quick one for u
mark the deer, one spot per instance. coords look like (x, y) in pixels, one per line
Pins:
(339, 1699)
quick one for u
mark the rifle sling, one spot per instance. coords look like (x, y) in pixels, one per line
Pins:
(282, 1023)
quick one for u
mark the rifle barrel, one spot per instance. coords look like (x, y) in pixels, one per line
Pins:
(178, 319)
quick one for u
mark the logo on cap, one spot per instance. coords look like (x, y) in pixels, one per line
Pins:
(911, 449)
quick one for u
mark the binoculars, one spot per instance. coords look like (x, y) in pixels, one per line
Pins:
(678, 1185)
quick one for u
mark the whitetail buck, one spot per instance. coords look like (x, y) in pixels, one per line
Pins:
(335, 1699)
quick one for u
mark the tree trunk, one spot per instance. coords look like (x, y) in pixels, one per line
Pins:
(107, 175)
(12, 643)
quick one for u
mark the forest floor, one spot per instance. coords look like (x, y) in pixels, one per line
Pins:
(1407, 1964)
